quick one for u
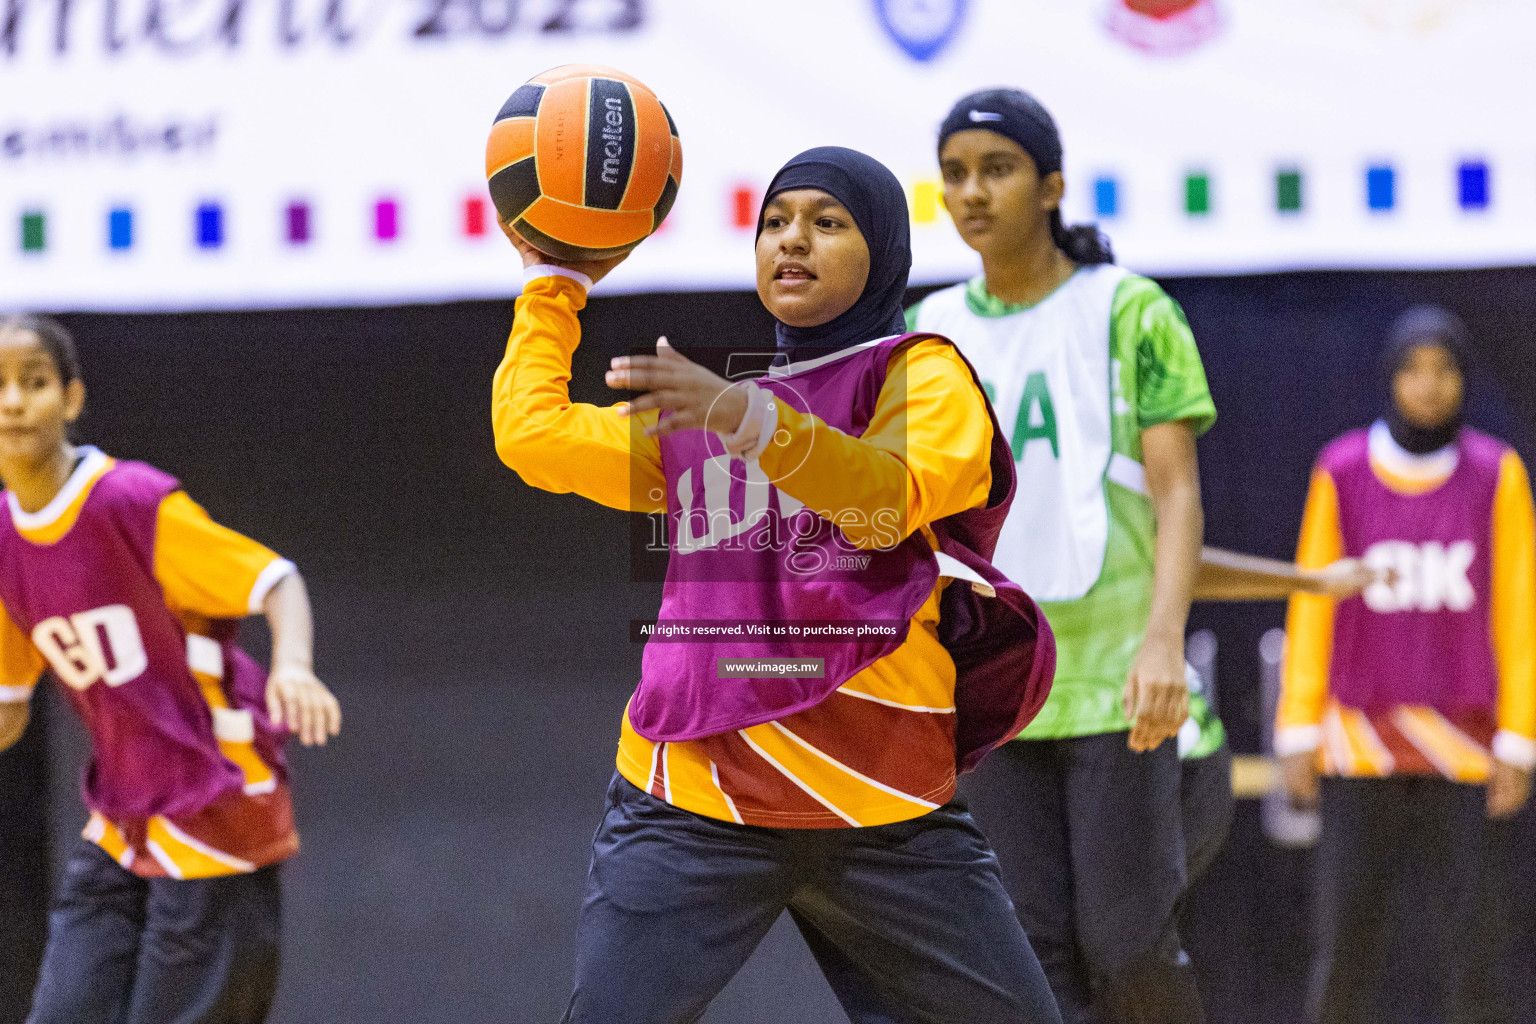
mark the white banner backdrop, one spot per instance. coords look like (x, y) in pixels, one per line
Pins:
(182, 154)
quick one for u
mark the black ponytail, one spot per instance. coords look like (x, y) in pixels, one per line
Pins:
(1084, 244)
(53, 337)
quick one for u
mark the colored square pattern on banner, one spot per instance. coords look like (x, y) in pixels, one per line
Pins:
(34, 231)
(210, 226)
(1472, 179)
(744, 207)
(297, 223)
(120, 228)
(925, 202)
(386, 220)
(1197, 194)
(1106, 196)
(1288, 191)
(1380, 187)
(474, 217)
(1472, 192)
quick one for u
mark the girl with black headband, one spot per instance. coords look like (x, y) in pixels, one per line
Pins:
(856, 490)
(1095, 375)
(1415, 702)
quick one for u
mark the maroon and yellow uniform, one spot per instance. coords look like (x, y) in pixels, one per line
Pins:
(881, 748)
(129, 591)
(1436, 674)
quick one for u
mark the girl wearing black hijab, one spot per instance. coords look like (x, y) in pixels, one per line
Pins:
(1409, 713)
(855, 491)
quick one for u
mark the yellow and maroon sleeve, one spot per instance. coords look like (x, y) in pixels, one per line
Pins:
(1512, 613)
(926, 453)
(208, 569)
(1309, 626)
(553, 443)
(21, 663)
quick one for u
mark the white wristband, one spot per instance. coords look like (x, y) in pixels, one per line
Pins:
(748, 440)
(768, 424)
(742, 437)
(1297, 739)
(533, 273)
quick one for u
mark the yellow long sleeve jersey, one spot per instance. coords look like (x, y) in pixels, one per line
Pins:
(882, 747)
(1449, 612)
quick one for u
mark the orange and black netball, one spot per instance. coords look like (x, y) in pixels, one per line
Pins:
(584, 162)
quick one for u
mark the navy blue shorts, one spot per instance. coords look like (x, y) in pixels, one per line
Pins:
(909, 922)
(129, 950)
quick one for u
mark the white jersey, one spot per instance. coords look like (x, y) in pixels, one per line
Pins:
(1075, 379)
(1054, 540)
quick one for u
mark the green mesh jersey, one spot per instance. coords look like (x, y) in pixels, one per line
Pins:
(1075, 379)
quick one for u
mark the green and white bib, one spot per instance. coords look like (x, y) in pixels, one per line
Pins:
(1075, 379)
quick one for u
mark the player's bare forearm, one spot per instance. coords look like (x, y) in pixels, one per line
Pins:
(295, 697)
(1230, 576)
(1173, 482)
(292, 622)
(14, 716)
(1156, 695)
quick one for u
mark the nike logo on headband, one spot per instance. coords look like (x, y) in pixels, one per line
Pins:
(983, 115)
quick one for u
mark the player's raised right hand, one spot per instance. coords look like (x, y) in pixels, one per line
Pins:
(532, 257)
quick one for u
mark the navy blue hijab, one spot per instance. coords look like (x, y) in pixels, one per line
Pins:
(1419, 326)
(870, 192)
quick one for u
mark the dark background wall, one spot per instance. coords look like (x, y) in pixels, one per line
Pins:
(476, 630)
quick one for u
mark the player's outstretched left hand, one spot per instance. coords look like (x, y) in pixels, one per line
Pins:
(695, 398)
(1156, 697)
(1347, 577)
(297, 699)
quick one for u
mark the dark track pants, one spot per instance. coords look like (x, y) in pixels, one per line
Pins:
(1412, 889)
(129, 950)
(1090, 838)
(909, 921)
(1206, 800)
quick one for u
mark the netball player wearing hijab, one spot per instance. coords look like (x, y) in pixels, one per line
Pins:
(1096, 378)
(1416, 701)
(110, 575)
(738, 799)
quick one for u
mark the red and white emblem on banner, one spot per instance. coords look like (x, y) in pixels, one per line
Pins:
(1164, 27)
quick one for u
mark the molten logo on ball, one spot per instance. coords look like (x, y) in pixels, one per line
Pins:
(613, 139)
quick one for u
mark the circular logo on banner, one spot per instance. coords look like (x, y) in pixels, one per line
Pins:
(1164, 27)
(921, 27)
